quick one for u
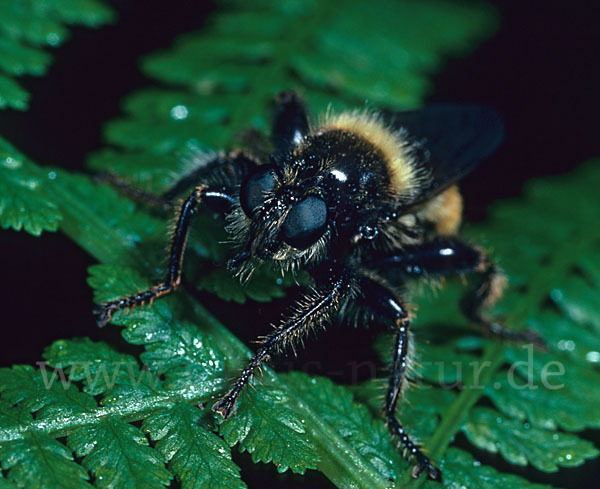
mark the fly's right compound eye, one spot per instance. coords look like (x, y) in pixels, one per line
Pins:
(254, 190)
(305, 223)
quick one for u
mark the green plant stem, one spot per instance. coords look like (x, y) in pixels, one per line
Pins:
(62, 426)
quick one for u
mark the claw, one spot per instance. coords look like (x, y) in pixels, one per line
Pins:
(225, 405)
(424, 464)
(104, 314)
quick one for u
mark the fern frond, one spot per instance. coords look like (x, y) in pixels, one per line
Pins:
(80, 406)
(27, 28)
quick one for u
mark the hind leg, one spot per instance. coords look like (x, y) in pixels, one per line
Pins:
(449, 256)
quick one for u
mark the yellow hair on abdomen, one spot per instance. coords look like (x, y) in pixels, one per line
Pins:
(391, 143)
(444, 211)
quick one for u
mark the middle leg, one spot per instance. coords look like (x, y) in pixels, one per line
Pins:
(388, 308)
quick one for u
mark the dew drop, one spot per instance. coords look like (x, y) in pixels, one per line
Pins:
(51, 175)
(566, 345)
(53, 39)
(593, 356)
(179, 112)
(12, 163)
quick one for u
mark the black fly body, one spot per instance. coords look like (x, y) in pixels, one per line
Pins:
(364, 202)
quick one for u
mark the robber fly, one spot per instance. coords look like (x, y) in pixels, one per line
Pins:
(363, 201)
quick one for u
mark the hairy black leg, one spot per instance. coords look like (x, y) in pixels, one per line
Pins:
(445, 256)
(311, 311)
(132, 191)
(489, 291)
(290, 123)
(202, 194)
(388, 309)
(218, 177)
(220, 172)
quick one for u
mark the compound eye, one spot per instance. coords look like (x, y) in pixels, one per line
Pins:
(255, 189)
(305, 223)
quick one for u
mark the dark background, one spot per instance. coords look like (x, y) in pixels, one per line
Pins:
(540, 70)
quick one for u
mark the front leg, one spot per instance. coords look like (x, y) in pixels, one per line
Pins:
(222, 175)
(311, 311)
(446, 256)
(389, 310)
(201, 194)
(290, 122)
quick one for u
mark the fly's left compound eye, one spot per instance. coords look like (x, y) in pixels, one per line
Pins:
(305, 223)
(255, 188)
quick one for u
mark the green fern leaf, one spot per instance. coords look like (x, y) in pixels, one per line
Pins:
(462, 470)
(196, 456)
(114, 451)
(118, 455)
(175, 350)
(562, 401)
(49, 394)
(542, 389)
(12, 95)
(520, 443)
(6, 484)
(304, 45)
(368, 436)
(265, 284)
(226, 77)
(23, 203)
(102, 370)
(17, 59)
(38, 460)
(265, 426)
(26, 28)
